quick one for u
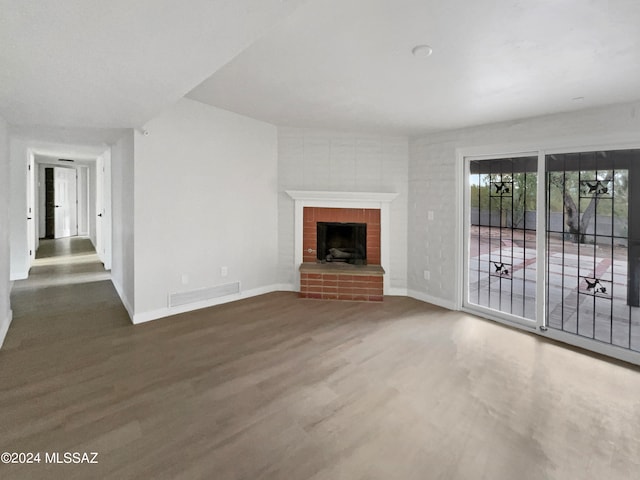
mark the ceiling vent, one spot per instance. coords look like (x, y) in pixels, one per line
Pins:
(65, 160)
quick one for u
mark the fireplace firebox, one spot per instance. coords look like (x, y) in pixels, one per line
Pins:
(342, 242)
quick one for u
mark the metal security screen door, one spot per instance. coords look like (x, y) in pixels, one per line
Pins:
(593, 246)
(501, 239)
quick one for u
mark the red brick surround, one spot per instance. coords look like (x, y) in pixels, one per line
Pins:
(330, 281)
(370, 216)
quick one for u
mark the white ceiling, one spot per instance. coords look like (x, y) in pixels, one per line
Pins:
(117, 63)
(65, 135)
(348, 64)
(70, 66)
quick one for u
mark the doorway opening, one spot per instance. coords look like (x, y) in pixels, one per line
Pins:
(69, 196)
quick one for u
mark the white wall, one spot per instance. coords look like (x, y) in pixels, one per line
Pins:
(5, 286)
(205, 197)
(122, 211)
(338, 161)
(83, 199)
(433, 184)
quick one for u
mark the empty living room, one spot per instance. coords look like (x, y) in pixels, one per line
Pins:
(320, 239)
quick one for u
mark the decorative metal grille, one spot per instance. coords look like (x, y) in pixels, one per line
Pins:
(593, 259)
(502, 245)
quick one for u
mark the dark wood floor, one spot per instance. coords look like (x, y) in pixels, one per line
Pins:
(276, 387)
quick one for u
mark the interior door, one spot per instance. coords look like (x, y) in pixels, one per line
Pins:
(65, 184)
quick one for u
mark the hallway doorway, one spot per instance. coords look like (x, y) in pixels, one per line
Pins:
(68, 193)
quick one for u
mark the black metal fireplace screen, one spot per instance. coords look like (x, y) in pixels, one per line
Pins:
(342, 242)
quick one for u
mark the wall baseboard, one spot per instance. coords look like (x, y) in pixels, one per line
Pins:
(397, 292)
(23, 275)
(149, 316)
(168, 311)
(440, 302)
(4, 326)
(123, 298)
(287, 287)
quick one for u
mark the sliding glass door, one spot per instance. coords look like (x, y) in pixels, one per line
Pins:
(588, 252)
(592, 237)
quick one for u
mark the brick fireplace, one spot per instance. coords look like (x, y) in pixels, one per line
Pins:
(320, 278)
(368, 216)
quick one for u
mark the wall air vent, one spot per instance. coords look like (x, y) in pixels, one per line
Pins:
(65, 160)
(203, 294)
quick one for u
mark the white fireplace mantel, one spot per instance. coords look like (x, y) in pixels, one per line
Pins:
(324, 196)
(328, 199)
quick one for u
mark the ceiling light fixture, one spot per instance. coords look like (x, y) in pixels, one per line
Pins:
(422, 51)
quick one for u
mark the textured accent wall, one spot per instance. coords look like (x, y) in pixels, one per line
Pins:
(434, 185)
(338, 161)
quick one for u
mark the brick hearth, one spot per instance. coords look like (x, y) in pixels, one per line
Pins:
(341, 282)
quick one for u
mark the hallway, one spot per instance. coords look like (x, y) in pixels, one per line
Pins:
(66, 277)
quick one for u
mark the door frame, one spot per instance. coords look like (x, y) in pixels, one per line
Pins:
(103, 208)
(32, 192)
(32, 212)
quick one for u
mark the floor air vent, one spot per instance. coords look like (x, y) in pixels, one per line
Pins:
(202, 294)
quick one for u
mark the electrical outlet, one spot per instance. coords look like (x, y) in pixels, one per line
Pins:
(224, 271)
(427, 275)
(185, 279)
(430, 215)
